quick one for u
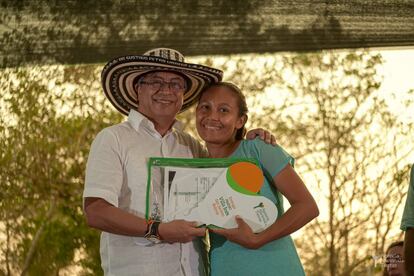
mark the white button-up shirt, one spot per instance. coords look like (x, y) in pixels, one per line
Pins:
(117, 172)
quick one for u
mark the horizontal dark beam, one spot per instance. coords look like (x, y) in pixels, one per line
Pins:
(71, 32)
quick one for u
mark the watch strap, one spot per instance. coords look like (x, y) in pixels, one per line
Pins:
(152, 231)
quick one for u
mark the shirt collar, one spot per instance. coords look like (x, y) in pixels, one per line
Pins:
(138, 120)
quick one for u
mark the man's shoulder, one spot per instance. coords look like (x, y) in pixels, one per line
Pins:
(116, 129)
(187, 139)
(113, 133)
(185, 135)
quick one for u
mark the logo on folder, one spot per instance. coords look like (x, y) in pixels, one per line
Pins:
(235, 192)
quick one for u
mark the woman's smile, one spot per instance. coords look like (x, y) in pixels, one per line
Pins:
(211, 126)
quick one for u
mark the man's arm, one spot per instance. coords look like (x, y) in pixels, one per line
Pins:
(103, 216)
(409, 251)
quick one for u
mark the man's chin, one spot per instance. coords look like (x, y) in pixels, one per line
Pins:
(166, 110)
(170, 115)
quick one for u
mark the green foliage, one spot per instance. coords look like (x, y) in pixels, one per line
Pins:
(47, 126)
(351, 149)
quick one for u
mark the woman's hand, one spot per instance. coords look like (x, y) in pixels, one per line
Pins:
(242, 235)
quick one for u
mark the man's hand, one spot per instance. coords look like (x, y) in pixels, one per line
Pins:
(265, 135)
(242, 235)
(179, 231)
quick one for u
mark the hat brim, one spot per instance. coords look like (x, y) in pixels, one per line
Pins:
(119, 74)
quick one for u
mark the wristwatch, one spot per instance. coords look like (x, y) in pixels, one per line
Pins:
(152, 232)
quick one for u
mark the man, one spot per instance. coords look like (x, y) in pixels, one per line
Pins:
(151, 89)
(407, 225)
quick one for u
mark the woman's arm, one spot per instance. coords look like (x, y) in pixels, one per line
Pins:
(303, 209)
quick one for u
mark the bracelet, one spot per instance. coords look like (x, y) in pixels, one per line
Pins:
(148, 222)
(152, 231)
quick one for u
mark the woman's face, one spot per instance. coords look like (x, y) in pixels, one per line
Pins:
(395, 262)
(217, 115)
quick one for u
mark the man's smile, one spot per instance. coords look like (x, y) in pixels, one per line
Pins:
(163, 100)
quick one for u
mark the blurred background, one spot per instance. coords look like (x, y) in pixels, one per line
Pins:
(331, 80)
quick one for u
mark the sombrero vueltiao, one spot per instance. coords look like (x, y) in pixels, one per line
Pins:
(119, 74)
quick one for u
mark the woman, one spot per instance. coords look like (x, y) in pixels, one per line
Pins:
(220, 118)
(394, 262)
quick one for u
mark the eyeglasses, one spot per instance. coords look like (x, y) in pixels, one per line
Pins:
(157, 85)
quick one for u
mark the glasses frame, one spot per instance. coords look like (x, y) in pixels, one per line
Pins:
(161, 83)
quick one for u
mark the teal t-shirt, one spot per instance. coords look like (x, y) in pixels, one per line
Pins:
(278, 257)
(408, 215)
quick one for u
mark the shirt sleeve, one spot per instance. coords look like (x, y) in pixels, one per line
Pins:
(273, 158)
(104, 173)
(408, 215)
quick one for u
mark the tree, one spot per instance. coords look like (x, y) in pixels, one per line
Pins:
(324, 108)
(351, 147)
(356, 150)
(46, 128)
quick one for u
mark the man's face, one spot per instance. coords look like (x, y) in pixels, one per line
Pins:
(160, 94)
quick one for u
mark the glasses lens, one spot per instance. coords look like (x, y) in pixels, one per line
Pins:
(156, 85)
(175, 86)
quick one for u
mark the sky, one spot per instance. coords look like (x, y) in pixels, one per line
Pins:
(398, 69)
(398, 72)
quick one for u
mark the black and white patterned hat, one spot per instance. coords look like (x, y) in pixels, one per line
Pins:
(119, 74)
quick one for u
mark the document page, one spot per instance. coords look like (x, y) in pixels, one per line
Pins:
(185, 188)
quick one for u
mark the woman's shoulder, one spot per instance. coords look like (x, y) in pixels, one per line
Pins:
(254, 148)
(249, 145)
(261, 149)
(259, 144)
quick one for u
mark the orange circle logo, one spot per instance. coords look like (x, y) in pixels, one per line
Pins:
(247, 175)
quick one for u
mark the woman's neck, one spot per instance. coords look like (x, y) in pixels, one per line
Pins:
(221, 150)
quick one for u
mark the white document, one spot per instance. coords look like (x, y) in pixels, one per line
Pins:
(204, 195)
(184, 188)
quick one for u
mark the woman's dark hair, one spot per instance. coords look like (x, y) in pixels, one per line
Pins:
(241, 99)
(395, 244)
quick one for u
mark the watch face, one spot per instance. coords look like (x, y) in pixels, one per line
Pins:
(153, 239)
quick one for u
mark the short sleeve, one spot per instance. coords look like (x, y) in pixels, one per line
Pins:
(273, 158)
(408, 215)
(104, 173)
